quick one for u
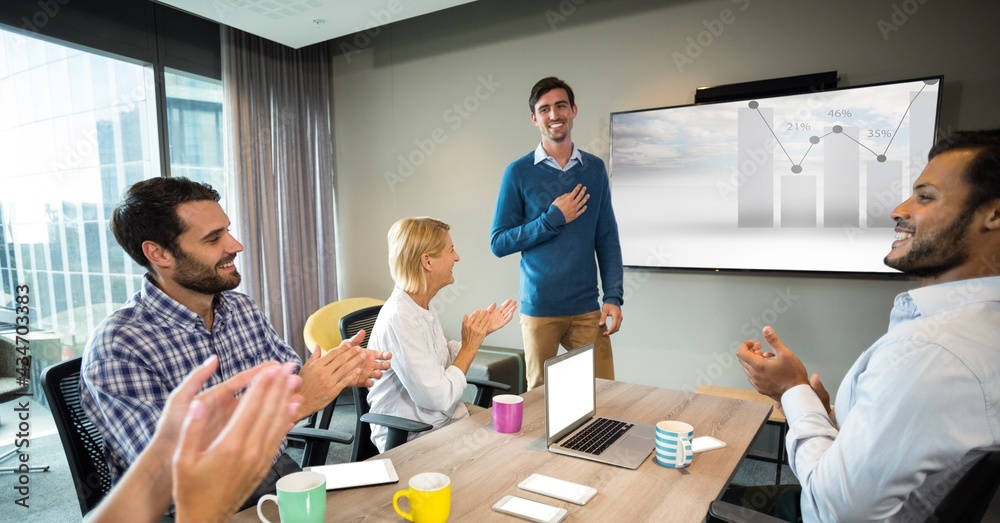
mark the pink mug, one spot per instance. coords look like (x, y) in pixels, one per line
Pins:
(508, 411)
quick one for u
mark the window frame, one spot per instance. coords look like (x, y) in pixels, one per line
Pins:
(143, 33)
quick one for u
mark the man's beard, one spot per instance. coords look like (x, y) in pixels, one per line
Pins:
(933, 255)
(198, 277)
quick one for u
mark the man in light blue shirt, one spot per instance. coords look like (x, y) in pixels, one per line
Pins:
(919, 407)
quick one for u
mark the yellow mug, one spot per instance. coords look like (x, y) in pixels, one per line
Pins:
(429, 498)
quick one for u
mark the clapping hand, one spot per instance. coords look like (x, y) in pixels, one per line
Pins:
(772, 373)
(199, 434)
(375, 362)
(479, 324)
(475, 327)
(325, 375)
(221, 400)
(500, 316)
(244, 446)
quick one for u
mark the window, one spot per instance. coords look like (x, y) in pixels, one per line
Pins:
(194, 124)
(76, 129)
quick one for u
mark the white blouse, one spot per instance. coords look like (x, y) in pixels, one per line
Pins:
(422, 384)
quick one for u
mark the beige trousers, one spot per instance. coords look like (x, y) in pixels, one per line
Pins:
(543, 335)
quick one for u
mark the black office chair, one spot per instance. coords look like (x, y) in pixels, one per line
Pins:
(399, 428)
(971, 496)
(965, 503)
(316, 439)
(322, 328)
(81, 440)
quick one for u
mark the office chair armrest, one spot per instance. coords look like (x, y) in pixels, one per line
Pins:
(731, 513)
(395, 422)
(399, 428)
(310, 420)
(307, 433)
(484, 389)
(487, 383)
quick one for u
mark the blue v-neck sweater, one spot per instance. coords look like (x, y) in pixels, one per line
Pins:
(558, 263)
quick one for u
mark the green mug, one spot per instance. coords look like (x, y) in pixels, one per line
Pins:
(301, 498)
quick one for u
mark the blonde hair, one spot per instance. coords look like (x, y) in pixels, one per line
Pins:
(409, 239)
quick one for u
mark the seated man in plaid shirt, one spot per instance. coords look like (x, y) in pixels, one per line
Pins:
(185, 312)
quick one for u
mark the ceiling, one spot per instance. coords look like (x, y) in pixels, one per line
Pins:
(298, 23)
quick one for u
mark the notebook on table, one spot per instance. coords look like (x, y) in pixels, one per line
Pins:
(571, 425)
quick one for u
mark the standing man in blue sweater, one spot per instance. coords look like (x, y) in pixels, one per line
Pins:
(555, 208)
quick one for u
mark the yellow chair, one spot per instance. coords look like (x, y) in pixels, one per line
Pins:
(323, 326)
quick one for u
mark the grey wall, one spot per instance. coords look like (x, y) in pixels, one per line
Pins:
(396, 90)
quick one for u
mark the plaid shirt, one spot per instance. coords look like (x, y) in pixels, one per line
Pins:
(140, 353)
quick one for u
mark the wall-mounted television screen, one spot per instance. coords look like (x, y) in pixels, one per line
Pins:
(801, 182)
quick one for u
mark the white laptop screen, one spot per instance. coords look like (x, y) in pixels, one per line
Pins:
(569, 389)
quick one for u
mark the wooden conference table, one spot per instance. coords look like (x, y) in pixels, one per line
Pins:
(485, 466)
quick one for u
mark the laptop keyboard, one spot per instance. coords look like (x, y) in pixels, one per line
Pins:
(598, 436)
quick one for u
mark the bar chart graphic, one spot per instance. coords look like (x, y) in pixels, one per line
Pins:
(860, 175)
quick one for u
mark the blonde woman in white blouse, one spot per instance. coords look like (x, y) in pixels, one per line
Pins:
(427, 378)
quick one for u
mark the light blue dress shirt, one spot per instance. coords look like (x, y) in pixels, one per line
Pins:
(541, 156)
(916, 410)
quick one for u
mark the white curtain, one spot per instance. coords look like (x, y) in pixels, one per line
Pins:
(278, 102)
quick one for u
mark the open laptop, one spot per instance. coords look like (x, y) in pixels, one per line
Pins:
(570, 425)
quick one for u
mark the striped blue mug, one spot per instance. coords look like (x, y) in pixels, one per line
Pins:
(673, 444)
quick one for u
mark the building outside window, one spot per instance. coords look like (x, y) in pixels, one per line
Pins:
(194, 123)
(76, 129)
